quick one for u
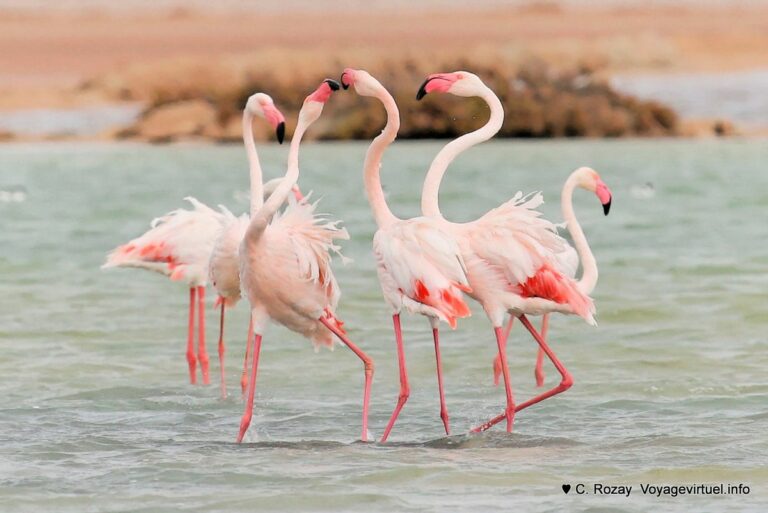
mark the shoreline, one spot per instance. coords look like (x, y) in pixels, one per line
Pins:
(114, 56)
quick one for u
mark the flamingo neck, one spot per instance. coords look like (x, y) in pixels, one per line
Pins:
(431, 189)
(372, 166)
(280, 195)
(257, 187)
(588, 278)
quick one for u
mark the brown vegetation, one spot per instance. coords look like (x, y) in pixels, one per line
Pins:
(539, 102)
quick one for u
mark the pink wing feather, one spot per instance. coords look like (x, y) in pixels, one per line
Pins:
(178, 244)
(420, 261)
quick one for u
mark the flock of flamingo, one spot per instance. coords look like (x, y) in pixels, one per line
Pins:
(510, 260)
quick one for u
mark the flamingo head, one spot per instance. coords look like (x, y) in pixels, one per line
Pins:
(261, 105)
(365, 84)
(590, 180)
(313, 104)
(459, 83)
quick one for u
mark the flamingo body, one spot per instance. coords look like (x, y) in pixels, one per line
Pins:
(421, 269)
(286, 272)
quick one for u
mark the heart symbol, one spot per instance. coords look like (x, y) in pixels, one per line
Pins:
(566, 488)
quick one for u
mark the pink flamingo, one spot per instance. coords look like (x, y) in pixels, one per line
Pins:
(224, 262)
(178, 245)
(181, 245)
(513, 256)
(224, 273)
(419, 265)
(589, 180)
(285, 266)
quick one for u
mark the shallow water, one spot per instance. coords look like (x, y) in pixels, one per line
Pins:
(96, 413)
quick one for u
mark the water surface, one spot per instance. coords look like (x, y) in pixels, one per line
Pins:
(96, 413)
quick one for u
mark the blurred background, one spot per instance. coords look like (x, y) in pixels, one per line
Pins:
(166, 70)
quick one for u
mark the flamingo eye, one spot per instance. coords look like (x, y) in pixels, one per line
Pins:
(459, 76)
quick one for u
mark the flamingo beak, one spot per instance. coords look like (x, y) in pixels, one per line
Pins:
(604, 195)
(423, 89)
(276, 119)
(332, 84)
(445, 81)
(324, 91)
(344, 84)
(607, 206)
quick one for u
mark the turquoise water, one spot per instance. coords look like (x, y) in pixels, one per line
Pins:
(96, 413)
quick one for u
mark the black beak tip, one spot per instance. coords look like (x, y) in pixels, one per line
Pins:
(343, 85)
(607, 206)
(332, 84)
(280, 132)
(422, 90)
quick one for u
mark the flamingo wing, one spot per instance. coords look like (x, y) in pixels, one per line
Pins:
(181, 241)
(423, 264)
(224, 265)
(518, 244)
(312, 238)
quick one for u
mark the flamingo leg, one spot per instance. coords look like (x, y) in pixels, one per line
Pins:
(539, 372)
(221, 352)
(368, 364)
(405, 390)
(509, 413)
(202, 354)
(244, 377)
(191, 338)
(565, 383)
(497, 358)
(248, 413)
(443, 407)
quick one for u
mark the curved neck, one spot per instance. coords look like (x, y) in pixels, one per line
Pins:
(257, 187)
(372, 177)
(588, 278)
(431, 190)
(277, 198)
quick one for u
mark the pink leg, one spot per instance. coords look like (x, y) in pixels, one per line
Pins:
(443, 407)
(221, 353)
(244, 377)
(248, 414)
(501, 342)
(405, 390)
(565, 383)
(497, 358)
(368, 365)
(191, 338)
(202, 354)
(539, 372)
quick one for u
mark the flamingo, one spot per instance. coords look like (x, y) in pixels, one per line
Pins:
(512, 254)
(224, 272)
(419, 265)
(178, 246)
(588, 179)
(285, 266)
